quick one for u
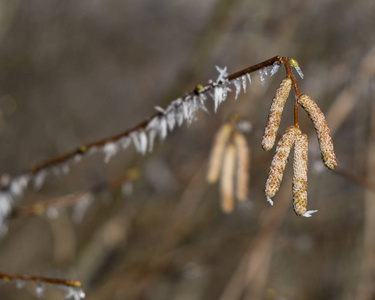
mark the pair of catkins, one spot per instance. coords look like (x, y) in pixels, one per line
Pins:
(294, 136)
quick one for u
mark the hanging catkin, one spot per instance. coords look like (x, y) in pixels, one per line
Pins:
(300, 174)
(217, 151)
(275, 113)
(227, 179)
(243, 156)
(279, 161)
(322, 130)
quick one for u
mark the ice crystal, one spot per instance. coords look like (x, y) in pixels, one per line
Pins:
(160, 109)
(274, 69)
(77, 158)
(171, 118)
(244, 83)
(262, 72)
(39, 179)
(65, 169)
(163, 128)
(6, 203)
(39, 289)
(222, 73)
(269, 200)
(18, 185)
(299, 71)
(237, 85)
(73, 293)
(20, 284)
(179, 116)
(151, 139)
(218, 96)
(124, 142)
(142, 141)
(110, 149)
(309, 213)
(248, 77)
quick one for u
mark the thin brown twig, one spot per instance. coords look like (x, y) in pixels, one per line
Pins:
(71, 199)
(82, 150)
(66, 282)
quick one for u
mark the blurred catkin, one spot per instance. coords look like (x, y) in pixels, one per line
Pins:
(322, 130)
(279, 161)
(275, 113)
(242, 166)
(217, 151)
(227, 179)
(300, 174)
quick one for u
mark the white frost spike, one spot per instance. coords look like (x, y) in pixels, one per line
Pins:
(163, 129)
(218, 96)
(179, 116)
(222, 73)
(160, 109)
(73, 293)
(18, 185)
(309, 213)
(110, 149)
(65, 169)
(39, 289)
(248, 77)
(52, 213)
(261, 76)
(171, 118)
(142, 141)
(20, 284)
(299, 71)
(6, 202)
(237, 85)
(135, 140)
(269, 200)
(186, 108)
(244, 83)
(151, 139)
(38, 180)
(274, 69)
(124, 142)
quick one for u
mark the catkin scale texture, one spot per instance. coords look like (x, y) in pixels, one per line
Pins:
(217, 151)
(300, 174)
(322, 130)
(274, 116)
(242, 166)
(279, 160)
(227, 179)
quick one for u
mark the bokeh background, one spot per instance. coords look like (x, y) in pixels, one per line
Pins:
(72, 72)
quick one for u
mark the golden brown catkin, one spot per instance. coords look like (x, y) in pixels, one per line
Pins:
(275, 113)
(300, 174)
(279, 160)
(217, 151)
(242, 166)
(322, 130)
(227, 179)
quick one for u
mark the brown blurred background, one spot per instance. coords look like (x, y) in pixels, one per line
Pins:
(72, 72)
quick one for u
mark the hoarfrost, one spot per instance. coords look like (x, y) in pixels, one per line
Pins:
(237, 85)
(244, 83)
(39, 179)
(110, 149)
(274, 69)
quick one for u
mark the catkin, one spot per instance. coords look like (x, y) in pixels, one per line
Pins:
(275, 113)
(322, 130)
(279, 160)
(217, 151)
(242, 166)
(227, 179)
(300, 174)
